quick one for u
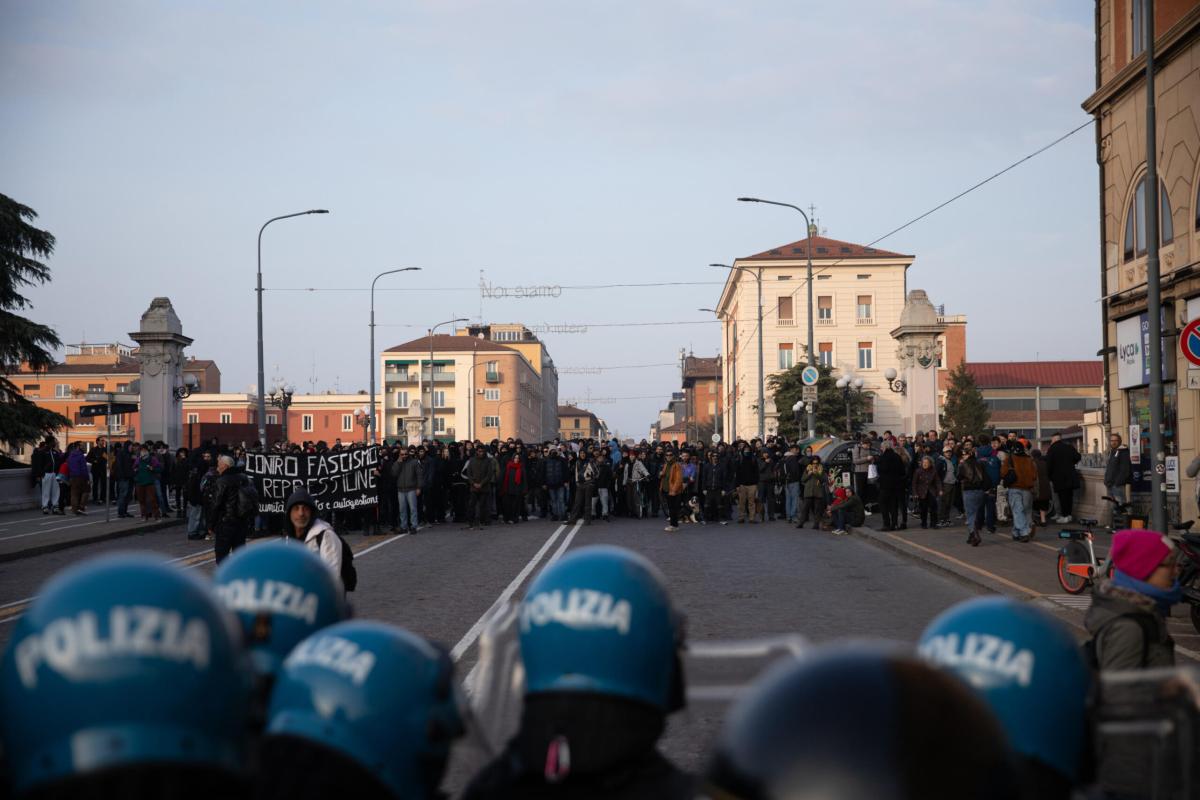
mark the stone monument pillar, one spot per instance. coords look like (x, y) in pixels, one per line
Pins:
(917, 354)
(161, 342)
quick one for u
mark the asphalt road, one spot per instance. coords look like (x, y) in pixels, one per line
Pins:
(733, 582)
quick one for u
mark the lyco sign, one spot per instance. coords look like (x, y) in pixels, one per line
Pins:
(1133, 352)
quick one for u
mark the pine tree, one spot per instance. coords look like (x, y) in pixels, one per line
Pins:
(23, 341)
(964, 411)
(831, 404)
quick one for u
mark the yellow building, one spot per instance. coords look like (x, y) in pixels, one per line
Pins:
(1119, 106)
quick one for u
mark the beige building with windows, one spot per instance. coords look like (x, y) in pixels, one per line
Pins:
(525, 342)
(1119, 106)
(480, 389)
(578, 423)
(858, 294)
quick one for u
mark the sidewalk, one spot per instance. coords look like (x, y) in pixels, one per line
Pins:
(1002, 566)
(30, 533)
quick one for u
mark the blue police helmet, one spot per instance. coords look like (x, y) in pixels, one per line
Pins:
(281, 593)
(599, 621)
(122, 662)
(371, 696)
(860, 722)
(1029, 669)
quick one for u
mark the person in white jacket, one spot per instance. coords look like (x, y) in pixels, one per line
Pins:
(317, 534)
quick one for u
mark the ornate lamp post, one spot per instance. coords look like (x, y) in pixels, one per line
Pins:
(848, 383)
(281, 398)
(895, 384)
(363, 417)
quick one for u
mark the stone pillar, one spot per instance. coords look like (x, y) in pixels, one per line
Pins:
(917, 354)
(161, 342)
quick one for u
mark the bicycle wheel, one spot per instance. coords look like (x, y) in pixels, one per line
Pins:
(1071, 583)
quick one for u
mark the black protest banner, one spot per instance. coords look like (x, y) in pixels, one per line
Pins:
(336, 480)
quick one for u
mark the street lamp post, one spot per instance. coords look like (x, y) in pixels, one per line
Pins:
(374, 432)
(812, 353)
(281, 398)
(362, 416)
(846, 383)
(431, 330)
(262, 403)
(761, 402)
(733, 387)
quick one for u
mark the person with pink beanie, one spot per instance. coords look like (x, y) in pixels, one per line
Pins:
(1128, 614)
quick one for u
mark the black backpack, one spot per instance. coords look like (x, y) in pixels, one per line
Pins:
(247, 500)
(1149, 631)
(349, 573)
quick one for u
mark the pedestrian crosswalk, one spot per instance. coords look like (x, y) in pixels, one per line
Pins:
(1079, 602)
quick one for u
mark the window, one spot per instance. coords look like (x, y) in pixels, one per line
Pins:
(576, 435)
(272, 419)
(95, 387)
(31, 389)
(1009, 403)
(864, 307)
(226, 418)
(122, 388)
(869, 408)
(62, 390)
(82, 420)
(439, 399)
(577, 422)
(306, 423)
(347, 422)
(825, 353)
(506, 336)
(1135, 221)
(785, 310)
(491, 394)
(864, 277)
(785, 355)
(494, 422)
(493, 366)
(439, 424)
(1137, 27)
(866, 358)
(193, 419)
(402, 399)
(824, 309)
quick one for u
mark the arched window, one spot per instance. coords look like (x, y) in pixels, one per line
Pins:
(1135, 221)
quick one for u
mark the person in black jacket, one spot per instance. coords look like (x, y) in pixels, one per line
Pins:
(746, 476)
(792, 470)
(1061, 459)
(227, 527)
(555, 479)
(893, 480)
(716, 482)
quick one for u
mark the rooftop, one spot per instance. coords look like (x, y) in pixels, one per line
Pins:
(823, 247)
(573, 411)
(1017, 374)
(697, 367)
(445, 343)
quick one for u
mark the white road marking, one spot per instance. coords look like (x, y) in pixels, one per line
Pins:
(50, 530)
(378, 545)
(467, 640)
(469, 681)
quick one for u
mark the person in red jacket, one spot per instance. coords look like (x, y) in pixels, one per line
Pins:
(512, 489)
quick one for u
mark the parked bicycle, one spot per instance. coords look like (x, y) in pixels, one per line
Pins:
(1078, 563)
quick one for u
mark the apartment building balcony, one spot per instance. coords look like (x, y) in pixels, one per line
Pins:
(864, 321)
(825, 322)
(492, 377)
(786, 323)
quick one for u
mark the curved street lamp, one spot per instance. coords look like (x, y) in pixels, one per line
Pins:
(431, 330)
(847, 383)
(812, 353)
(262, 402)
(374, 432)
(761, 401)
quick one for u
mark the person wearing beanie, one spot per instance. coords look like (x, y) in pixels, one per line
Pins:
(1127, 621)
(317, 535)
(1127, 618)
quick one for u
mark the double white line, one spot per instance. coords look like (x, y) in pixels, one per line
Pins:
(464, 644)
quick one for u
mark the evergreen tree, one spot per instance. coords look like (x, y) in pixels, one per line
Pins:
(964, 411)
(831, 403)
(23, 341)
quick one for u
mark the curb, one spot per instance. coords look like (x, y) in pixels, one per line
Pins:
(67, 544)
(975, 581)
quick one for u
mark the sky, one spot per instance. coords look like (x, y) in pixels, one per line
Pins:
(545, 143)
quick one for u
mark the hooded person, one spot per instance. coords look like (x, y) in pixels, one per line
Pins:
(317, 534)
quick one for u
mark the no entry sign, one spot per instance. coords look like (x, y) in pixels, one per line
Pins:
(1189, 342)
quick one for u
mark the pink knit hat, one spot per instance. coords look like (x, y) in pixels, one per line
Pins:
(1138, 552)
